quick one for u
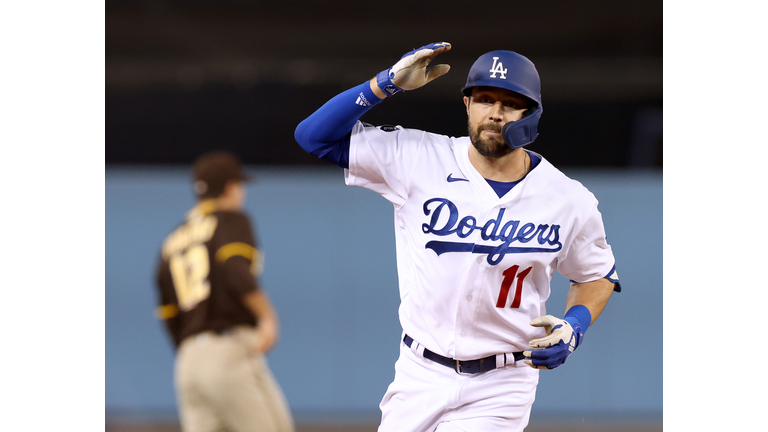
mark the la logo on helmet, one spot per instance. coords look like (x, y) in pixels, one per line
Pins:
(498, 67)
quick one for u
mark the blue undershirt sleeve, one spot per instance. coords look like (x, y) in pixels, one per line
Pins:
(326, 133)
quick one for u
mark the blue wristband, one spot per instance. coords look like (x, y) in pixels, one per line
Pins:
(579, 318)
(384, 81)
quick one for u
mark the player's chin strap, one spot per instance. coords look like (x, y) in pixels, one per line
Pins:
(522, 132)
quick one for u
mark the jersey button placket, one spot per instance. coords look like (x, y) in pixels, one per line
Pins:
(473, 285)
(463, 324)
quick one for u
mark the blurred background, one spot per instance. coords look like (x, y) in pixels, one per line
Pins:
(184, 77)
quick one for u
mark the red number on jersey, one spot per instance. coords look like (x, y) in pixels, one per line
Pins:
(509, 277)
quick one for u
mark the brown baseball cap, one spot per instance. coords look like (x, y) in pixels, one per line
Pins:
(213, 170)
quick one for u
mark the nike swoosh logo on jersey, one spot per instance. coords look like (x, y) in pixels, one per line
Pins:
(451, 179)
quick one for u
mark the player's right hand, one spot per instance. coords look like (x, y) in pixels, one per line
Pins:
(413, 70)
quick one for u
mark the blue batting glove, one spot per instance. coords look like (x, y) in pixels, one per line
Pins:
(412, 71)
(552, 350)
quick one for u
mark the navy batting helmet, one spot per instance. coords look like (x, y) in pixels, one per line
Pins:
(512, 71)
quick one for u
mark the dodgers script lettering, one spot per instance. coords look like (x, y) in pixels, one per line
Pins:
(546, 235)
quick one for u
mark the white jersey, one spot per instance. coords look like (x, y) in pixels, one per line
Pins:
(474, 269)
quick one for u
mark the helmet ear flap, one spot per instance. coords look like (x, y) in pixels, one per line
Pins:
(522, 132)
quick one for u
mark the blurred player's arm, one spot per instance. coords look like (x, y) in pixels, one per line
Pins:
(268, 328)
(242, 265)
(239, 271)
(326, 133)
(240, 278)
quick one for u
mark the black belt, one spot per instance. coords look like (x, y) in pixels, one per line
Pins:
(464, 366)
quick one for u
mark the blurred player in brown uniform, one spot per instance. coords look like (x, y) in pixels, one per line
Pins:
(221, 321)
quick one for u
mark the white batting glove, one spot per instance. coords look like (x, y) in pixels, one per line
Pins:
(413, 70)
(552, 350)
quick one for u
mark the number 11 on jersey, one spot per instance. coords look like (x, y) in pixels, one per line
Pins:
(509, 277)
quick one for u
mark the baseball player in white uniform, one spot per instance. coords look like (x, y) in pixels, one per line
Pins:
(481, 225)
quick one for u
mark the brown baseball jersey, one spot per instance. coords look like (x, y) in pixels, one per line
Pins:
(206, 266)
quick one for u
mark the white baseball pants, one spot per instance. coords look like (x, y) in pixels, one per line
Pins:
(426, 396)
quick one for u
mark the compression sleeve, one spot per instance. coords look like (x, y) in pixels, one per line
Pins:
(326, 133)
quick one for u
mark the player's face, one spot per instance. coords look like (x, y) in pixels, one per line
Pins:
(488, 109)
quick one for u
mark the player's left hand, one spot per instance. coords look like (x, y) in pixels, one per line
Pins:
(412, 70)
(552, 350)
